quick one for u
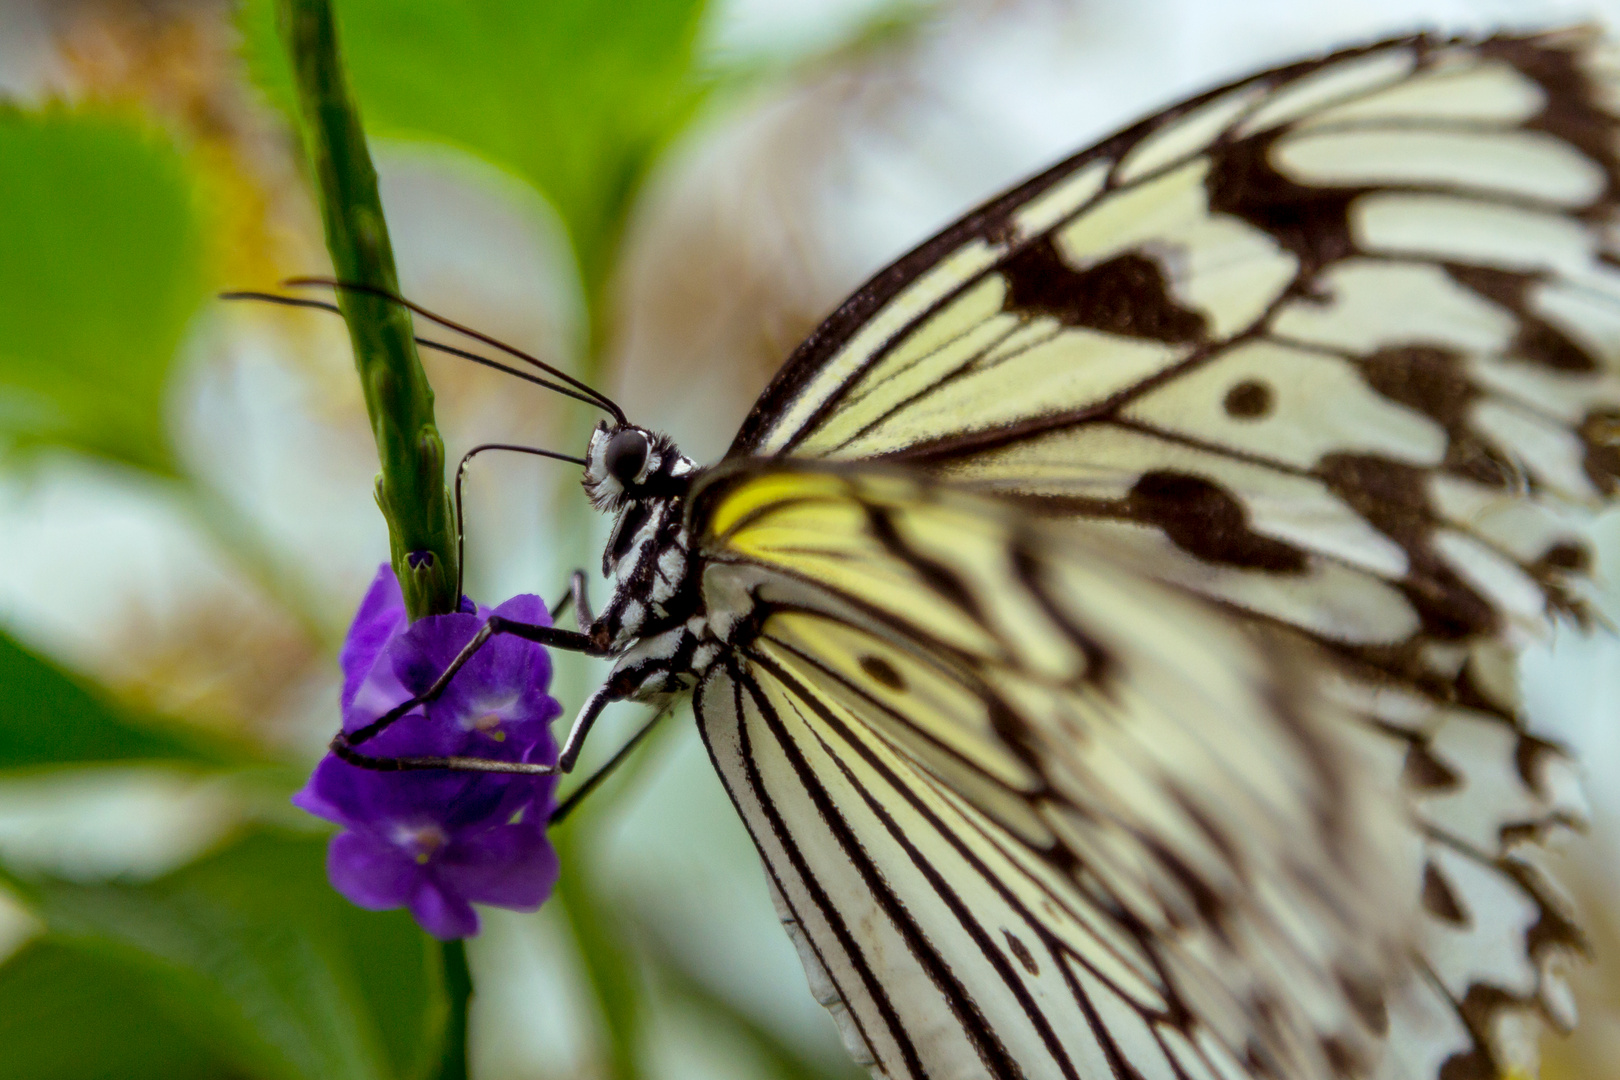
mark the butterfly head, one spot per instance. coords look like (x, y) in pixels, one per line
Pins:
(627, 464)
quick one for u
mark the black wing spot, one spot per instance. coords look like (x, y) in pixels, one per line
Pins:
(1367, 998)
(1538, 341)
(1531, 757)
(1310, 221)
(1427, 773)
(1435, 382)
(1568, 556)
(1125, 295)
(1250, 399)
(1394, 499)
(883, 672)
(1439, 900)
(1343, 1060)
(1208, 522)
(1601, 434)
(1432, 381)
(1021, 952)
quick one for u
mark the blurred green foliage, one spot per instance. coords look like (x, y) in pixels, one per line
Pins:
(574, 97)
(253, 955)
(245, 963)
(52, 719)
(69, 1011)
(100, 270)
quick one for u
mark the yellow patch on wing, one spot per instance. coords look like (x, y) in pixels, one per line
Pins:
(1186, 135)
(1053, 370)
(1462, 87)
(1062, 200)
(1066, 833)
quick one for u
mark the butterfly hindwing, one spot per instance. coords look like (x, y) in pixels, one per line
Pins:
(1337, 347)
(1042, 817)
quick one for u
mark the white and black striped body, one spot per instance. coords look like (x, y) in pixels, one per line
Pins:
(653, 619)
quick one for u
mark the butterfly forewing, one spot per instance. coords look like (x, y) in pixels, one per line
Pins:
(1052, 821)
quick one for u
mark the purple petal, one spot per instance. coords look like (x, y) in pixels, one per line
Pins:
(504, 682)
(505, 720)
(529, 608)
(512, 866)
(427, 646)
(524, 607)
(380, 616)
(316, 796)
(371, 872)
(436, 641)
(379, 692)
(500, 688)
(441, 914)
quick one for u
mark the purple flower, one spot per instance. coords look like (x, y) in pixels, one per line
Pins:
(435, 840)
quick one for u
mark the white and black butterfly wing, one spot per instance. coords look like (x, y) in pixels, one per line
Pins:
(1338, 345)
(1029, 814)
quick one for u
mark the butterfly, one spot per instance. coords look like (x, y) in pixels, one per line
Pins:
(1105, 622)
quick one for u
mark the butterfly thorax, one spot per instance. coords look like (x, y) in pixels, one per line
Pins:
(653, 618)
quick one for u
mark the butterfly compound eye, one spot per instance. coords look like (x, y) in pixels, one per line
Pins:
(625, 455)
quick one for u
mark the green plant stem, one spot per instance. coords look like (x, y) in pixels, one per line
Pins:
(410, 489)
(458, 987)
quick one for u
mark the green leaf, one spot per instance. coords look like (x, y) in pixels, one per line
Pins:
(574, 97)
(260, 957)
(100, 270)
(69, 1012)
(48, 717)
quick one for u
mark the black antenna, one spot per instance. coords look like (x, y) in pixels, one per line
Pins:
(602, 399)
(461, 471)
(427, 343)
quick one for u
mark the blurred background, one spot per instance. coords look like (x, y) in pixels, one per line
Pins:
(661, 195)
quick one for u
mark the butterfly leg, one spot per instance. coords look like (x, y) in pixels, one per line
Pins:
(575, 596)
(600, 698)
(343, 743)
(595, 780)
